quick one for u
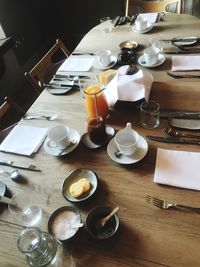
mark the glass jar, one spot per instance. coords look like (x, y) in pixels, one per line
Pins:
(40, 249)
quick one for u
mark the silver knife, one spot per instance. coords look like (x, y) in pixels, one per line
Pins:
(24, 166)
(180, 39)
(178, 140)
(183, 52)
(180, 114)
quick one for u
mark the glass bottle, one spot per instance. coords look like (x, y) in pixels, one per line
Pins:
(40, 249)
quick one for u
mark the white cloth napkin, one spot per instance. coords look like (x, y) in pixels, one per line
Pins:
(24, 140)
(187, 62)
(76, 63)
(151, 17)
(129, 87)
(177, 168)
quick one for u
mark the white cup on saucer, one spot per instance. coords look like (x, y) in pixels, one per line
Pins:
(127, 140)
(141, 24)
(59, 137)
(151, 55)
(103, 58)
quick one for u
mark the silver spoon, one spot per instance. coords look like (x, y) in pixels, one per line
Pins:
(118, 153)
(49, 118)
(14, 175)
(172, 132)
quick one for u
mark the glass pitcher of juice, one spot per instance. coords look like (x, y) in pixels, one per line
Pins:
(96, 102)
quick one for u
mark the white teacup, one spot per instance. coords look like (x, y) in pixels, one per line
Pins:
(151, 55)
(141, 24)
(59, 137)
(103, 58)
(127, 140)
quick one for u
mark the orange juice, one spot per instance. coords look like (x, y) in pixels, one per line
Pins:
(96, 102)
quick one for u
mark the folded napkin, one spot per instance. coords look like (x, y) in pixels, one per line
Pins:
(151, 17)
(76, 63)
(129, 87)
(185, 63)
(24, 140)
(177, 168)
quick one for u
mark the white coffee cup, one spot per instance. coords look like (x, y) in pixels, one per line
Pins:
(103, 58)
(127, 140)
(151, 55)
(141, 24)
(59, 137)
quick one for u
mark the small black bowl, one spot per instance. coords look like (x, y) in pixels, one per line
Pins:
(108, 230)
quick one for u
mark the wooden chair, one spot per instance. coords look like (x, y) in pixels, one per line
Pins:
(154, 6)
(10, 114)
(44, 70)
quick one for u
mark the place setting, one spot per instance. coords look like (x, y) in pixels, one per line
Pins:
(104, 60)
(61, 140)
(152, 56)
(127, 146)
(142, 25)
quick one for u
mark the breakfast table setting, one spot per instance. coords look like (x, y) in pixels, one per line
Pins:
(109, 177)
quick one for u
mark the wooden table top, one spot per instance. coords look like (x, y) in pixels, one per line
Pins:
(147, 236)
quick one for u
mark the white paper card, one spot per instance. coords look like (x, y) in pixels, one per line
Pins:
(76, 63)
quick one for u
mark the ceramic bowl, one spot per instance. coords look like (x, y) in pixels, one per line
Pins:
(73, 177)
(63, 221)
(108, 230)
(129, 45)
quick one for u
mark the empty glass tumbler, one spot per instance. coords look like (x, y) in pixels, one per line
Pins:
(40, 249)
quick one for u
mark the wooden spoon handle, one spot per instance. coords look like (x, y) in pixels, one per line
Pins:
(111, 214)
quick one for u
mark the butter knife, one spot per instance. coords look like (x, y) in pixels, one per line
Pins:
(179, 75)
(24, 166)
(180, 114)
(178, 140)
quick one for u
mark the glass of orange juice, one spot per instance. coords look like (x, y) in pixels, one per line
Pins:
(96, 102)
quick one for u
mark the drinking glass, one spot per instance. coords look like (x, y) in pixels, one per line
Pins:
(96, 130)
(24, 207)
(84, 83)
(106, 24)
(96, 102)
(149, 114)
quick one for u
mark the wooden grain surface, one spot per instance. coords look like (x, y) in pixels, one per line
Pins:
(147, 235)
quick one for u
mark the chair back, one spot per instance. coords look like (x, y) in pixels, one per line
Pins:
(141, 6)
(44, 70)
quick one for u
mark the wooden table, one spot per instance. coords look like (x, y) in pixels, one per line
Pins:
(147, 236)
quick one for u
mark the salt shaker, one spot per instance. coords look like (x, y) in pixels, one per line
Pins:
(40, 249)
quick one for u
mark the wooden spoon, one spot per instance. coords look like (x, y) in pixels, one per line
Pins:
(104, 220)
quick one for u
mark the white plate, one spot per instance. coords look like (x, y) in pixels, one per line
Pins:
(112, 63)
(55, 151)
(88, 143)
(193, 40)
(61, 90)
(122, 159)
(161, 60)
(148, 28)
(74, 177)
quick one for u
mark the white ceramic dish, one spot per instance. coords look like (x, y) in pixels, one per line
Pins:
(89, 144)
(55, 151)
(112, 63)
(122, 159)
(74, 177)
(148, 28)
(161, 60)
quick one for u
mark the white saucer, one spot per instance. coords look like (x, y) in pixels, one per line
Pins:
(89, 144)
(122, 159)
(112, 63)
(148, 28)
(55, 151)
(161, 60)
(61, 90)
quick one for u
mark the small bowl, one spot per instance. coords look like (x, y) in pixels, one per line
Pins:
(58, 222)
(108, 230)
(73, 177)
(129, 45)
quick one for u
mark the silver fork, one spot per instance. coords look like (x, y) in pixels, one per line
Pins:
(164, 204)
(30, 117)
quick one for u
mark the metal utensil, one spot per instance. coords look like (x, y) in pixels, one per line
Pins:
(31, 117)
(178, 75)
(188, 124)
(118, 153)
(2, 188)
(177, 140)
(164, 204)
(104, 220)
(83, 53)
(172, 132)
(25, 166)
(180, 114)
(14, 175)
